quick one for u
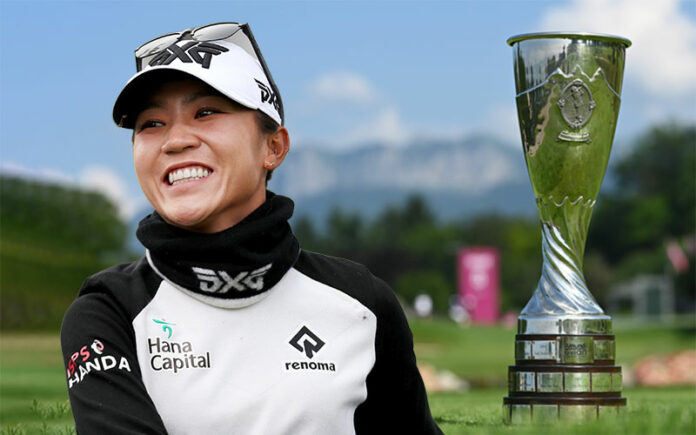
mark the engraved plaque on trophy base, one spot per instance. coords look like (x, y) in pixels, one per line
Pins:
(562, 375)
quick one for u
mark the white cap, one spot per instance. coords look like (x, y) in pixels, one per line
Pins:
(223, 65)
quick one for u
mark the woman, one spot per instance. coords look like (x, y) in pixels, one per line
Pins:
(226, 325)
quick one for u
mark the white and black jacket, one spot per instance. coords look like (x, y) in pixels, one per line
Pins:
(240, 332)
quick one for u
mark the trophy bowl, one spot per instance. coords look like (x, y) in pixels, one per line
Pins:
(568, 88)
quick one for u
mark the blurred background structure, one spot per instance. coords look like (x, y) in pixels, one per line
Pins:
(405, 151)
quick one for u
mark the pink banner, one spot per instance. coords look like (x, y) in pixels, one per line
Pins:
(479, 283)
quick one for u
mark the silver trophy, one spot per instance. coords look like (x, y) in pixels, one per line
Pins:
(568, 89)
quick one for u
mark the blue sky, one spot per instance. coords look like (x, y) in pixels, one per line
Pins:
(349, 72)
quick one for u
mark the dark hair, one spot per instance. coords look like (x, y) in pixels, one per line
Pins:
(267, 125)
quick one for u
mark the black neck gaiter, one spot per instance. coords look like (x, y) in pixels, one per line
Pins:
(241, 262)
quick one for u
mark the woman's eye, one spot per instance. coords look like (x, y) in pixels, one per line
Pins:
(149, 124)
(206, 112)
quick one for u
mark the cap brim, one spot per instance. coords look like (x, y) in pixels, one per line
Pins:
(132, 98)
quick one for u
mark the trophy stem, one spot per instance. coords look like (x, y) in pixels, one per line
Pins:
(562, 288)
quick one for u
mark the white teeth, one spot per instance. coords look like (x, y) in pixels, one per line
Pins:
(187, 174)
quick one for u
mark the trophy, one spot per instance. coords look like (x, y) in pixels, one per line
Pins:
(568, 88)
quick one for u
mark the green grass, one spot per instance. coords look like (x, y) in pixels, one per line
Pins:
(33, 393)
(482, 355)
(33, 396)
(649, 411)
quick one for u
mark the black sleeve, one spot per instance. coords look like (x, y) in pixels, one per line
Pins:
(105, 386)
(396, 398)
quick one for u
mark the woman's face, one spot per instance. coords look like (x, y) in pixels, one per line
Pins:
(199, 157)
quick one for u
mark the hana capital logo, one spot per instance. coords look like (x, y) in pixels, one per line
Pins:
(172, 356)
(166, 326)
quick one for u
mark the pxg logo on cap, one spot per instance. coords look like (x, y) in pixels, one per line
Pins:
(268, 96)
(193, 51)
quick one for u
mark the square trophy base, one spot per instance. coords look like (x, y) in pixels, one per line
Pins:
(564, 370)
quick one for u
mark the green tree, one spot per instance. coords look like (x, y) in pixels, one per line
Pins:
(654, 201)
(53, 237)
(663, 165)
(52, 215)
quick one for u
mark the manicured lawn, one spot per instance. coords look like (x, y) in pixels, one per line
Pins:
(649, 411)
(482, 354)
(33, 397)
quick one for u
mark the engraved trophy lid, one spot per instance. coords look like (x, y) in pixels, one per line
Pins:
(569, 35)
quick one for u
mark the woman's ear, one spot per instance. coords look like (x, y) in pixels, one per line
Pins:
(278, 145)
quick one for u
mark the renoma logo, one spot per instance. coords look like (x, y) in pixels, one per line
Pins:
(193, 51)
(267, 95)
(308, 343)
(211, 281)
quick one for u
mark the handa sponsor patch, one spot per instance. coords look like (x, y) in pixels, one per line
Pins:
(92, 358)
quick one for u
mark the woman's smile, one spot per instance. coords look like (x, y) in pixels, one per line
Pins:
(187, 174)
(199, 157)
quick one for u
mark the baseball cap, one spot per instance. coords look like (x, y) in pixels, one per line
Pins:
(225, 56)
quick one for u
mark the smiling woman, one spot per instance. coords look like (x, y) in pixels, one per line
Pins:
(226, 325)
(200, 158)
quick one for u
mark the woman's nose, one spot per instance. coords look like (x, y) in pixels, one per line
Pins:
(180, 138)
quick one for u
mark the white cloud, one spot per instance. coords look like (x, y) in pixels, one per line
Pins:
(107, 182)
(94, 178)
(47, 175)
(343, 86)
(386, 128)
(662, 58)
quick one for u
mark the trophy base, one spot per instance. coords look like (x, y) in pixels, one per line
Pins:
(564, 371)
(548, 409)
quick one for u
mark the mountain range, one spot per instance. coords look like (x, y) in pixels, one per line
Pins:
(458, 178)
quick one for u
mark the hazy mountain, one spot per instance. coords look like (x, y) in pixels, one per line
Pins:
(458, 178)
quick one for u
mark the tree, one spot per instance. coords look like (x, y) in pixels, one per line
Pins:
(663, 165)
(57, 216)
(654, 201)
(53, 237)
(655, 197)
